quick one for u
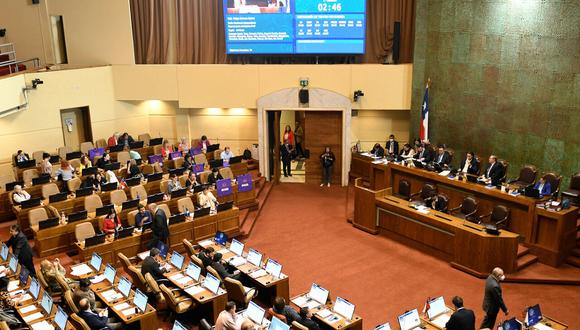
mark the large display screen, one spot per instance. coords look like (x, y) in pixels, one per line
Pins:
(295, 26)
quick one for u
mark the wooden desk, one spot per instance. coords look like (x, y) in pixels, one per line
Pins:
(360, 167)
(430, 324)
(554, 324)
(57, 239)
(356, 323)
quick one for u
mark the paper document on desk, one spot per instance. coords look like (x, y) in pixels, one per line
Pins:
(43, 325)
(194, 290)
(366, 154)
(98, 279)
(541, 326)
(444, 173)
(143, 255)
(258, 273)
(184, 280)
(81, 269)
(111, 295)
(13, 285)
(237, 261)
(26, 297)
(2, 268)
(32, 317)
(223, 251)
(324, 313)
(206, 243)
(128, 311)
(27, 309)
(300, 301)
(440, 320)
(176, 277)
(15, 293)
(121, 306)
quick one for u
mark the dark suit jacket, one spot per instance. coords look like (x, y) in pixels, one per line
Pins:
(20, 248)
(462, 319)
(495, 174)
(205, 259)
(94, 321)
(286, 152)
(493, 300)
(211, 179)
(427, 155)
(546, 190)
(395, 147)
(221, 269)
(151, 266)
(379, 152)
(473, 167)
(159, 225)
(445, 160)
(309, 323)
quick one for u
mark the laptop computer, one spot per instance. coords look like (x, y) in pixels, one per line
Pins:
(155, 141)
(73, 155)
(57, 197)
(48, 223)
(77, 216)
(163, 249)
(177, 218)
(26, 164)
(109, 186)
(95, 240)
(437, 312)
(225, 206)
(418, 164)
(155, 198)
(533, 315)
(10, 185)
(60, 319)
(512, 324)
(117, 148)
(201, 212)
(135, 181)
(130, 204)
(84, 192)
(90, 171)
(136, 145)
(42, 179)
(54, 159)
(255, 313)
(178, 193)
(104, 210)
(237, 159)
(532, 192)
(177, 171)
(200, 188)
(213, 147)
(344, 308)
(31, 203)
(154, 177)
(112, 166)
(96, 262)
(125, 232)
(220, 238)
(471, 178)
(216, 163)
(409, 320)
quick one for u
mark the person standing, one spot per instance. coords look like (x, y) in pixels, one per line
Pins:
(493, 299)
(299, 137)
(159, 227)
(286, 153)
(288, 135)
(327, 159)
(20, 248)
(392, 146)
(462, 318)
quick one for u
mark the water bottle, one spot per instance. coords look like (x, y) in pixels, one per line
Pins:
(499, 326)
(186, 212)
(63, 218)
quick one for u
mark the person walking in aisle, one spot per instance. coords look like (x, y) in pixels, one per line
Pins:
(493, 299)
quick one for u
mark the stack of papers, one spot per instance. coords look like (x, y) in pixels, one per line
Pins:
(43, 325)
(206, 243)
(32, 317)
(237, 261)
(15, 293)
(444, 173)
(26, 297)
(541, 326)
(80, 269)
(184, 280)
(440, 320)
(176, 277)
(112, 294)
(128, 311)
(258, 273)
(98, 279)
(223, 251)
(300, 301)
(143, 255)
(121, 306)
(194, 290)
(13, 285)
(324, 313)
(27, 309)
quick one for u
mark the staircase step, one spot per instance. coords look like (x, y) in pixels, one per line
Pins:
(525, 261)
(576, 252)
(522, 250)
(254, 214)
(574, 261)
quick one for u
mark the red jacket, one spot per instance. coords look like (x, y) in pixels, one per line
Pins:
(109, 225)
(165, 153)
(112, 141)
(200, 144)
(290, 138)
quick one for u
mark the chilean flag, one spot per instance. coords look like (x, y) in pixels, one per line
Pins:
(424, 129)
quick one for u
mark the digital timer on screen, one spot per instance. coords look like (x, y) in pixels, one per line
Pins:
(295, 26)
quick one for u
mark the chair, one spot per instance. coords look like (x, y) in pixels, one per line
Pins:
(200, 159)
(92, 203)
(404, 190)
(554, 179)
(147, 169)
(159, 298)
(138, 279)
(86, 146)
(36, 215)
(217, 154)
(163, 186)
(271, 313)
(49, 189)
(75, 163)
(139, 192)
(78, 322)
(442, 203)
(165, 209)
(227, 173)
(43, 282)
(62, 283)
(203, 176)
(198, 262)
(204, 325)
(126, 262)
(467, 209)
(298, 326)
(157, 168)
(123, 157)
(238, 293)
(68, 298)
(145, 137)
(74, 184)
(62, 151)
(527, 176)
(188, 247)
(176, 304)
(505, 165)
(131, 217)
(83, 231)
(499, 216)
(178, 163)
(28, 175)
(214, 272)
(573, 191)
(183, 179)
(184, 203)
(157, 149)
(101, 143)
(118, 197)
(37, 156)
(428, 190)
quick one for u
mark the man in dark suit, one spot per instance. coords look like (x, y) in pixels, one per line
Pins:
(159, 227)
(286, 154)
(96, 321)
(206, 256)
(442, 158)
(152, 266)
(378, 151)
(392, 146)
(221, 268)
(422, 154)
(306, 319)
(494, 171)
(214, 177)
(493, 300)
(469, 165)
(462, 319)
(20, 248)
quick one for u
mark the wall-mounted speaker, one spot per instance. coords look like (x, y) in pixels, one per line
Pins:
(396, 42)
(304, 96)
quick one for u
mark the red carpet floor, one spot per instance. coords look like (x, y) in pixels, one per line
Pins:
(304, 228)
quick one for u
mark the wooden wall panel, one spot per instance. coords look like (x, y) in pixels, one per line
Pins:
(322, 129)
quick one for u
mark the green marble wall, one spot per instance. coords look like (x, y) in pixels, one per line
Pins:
(505, 79)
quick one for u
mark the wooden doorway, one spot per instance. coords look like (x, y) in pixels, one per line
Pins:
(274, 145)
(76, 126)
(323, 129)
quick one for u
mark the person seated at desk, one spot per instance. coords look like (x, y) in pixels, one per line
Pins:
(543, 187)
(142, 217)
(221, 268)
(112, 223)
(84, 292)
(96, 321)
(187, 162)
(378, 151)
(21, 157)
(173, 184)
(20, 195)
(46, 166)
(125, 140)
(90, 182)
(392, 146)
(50, 270)
(416, 144)
(206, 256)
(133, 154)
(100, 180)
(133, 169)
(462, 318)
(7, 303)
(306, 319)
(494, 171)
(151, 265)
(407, 153)
(280, 307)
(103, 161)
(206, 199)
(214, 177)
(226, 154)
(66, 172)
(85, 163)
(183, 146)
(203, 143)
(192, 181)
(469, 165)
(423, 155)
(166, 149)
(442, 158)
(113, 139)
(228, 319)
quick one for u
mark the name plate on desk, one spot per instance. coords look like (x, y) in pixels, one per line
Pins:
(245, 183)
(224, 187)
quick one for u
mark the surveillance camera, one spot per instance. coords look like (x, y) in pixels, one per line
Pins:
(358, 94)
(36, 82)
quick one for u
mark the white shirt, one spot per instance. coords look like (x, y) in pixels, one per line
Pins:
(19, 198)
(466, 167)
(226, 155)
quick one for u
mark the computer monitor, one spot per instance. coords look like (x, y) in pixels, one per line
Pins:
(385, 326)
(155, 141)
(109, 186)
(255, 313)
(46, 302)
(124, 286)
(42, 179)
(220, 238)
(273, 268)
(58, 197)
(318, 293)
(211, 283)
(130, 204)
(436, 307)
(162, 249)
(512, 324)
(77, 216)
(34, 288)
(177, 260)
(237, 247)
(4, 253)
(254, 257)
(178, 326)
(277, 324)
(136, 145)
(104, 210)
(344, 307)
(193, 271)
(96, 261)
(13, 264)
(23, 277)
(117, 148)
(31, 203)
(48, 223)
(110, 273)
(409, 320)
(90, 171)
(140, 300)
(10, 185)
(533, 315)
(60, 318)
